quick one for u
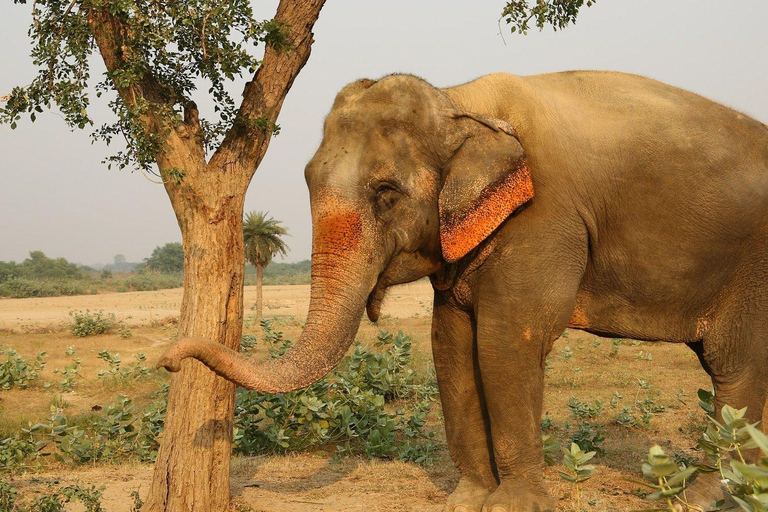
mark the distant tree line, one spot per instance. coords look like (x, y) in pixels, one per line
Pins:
(40, 266)
(42, 276)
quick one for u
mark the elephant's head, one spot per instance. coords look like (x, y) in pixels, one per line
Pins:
(403, 182)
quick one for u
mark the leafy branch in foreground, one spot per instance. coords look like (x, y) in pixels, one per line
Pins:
(558, 13)
(578, 471)
(725, 444)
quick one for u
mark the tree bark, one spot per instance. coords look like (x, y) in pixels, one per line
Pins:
(193, 463)
(259, 296)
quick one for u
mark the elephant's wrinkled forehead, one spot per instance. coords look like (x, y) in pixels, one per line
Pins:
(373, 124)
(398, 101)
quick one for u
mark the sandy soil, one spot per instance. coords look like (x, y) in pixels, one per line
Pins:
(147, 308)
(581, 366)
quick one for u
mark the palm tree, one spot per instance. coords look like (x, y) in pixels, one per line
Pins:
(263, 241)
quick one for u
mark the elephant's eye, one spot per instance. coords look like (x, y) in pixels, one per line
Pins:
(386, 197)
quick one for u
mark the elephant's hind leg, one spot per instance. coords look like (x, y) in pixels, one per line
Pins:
(466, 428)
(734, 352)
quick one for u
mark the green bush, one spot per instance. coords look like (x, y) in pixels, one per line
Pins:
(85, 323)
(22, 287)
(52, 501)
(346, 409)
(135, 370)
(150, 281)
(16, 453)
(116, 434)
(16, 371)
(588, 435)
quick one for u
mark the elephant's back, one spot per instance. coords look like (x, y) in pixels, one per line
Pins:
(646, 143)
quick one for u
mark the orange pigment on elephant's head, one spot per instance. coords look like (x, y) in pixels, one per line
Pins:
(336, 233)
(462, 233)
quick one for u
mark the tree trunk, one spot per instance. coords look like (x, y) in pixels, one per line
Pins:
(193, 462)
(259, 295)
(192, 468)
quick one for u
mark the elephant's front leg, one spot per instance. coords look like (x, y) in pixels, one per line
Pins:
(466, 427)
(511, 353)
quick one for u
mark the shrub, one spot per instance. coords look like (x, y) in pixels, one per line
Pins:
(52, 501)
(135, 370)
(85, 323)
(22, 287)
(150, 281)
(724, 443)
(590, 436)
(15, 454)
(17, 371)
(577, 470)
(69, 373)
(586, 434)
(115, 434)
(248, 342)
(346, 408)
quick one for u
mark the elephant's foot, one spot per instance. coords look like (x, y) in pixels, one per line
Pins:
(468, 496)
(519, 496)
(704, 493)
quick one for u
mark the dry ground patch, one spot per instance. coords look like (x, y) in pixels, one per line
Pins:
(581, 366)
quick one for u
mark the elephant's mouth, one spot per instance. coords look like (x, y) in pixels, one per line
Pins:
(376, 297)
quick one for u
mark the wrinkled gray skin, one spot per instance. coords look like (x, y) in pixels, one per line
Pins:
(649, 221)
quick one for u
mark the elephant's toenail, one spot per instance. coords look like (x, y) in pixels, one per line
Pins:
(460, 508)
(498, 508)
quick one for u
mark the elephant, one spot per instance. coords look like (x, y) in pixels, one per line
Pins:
(600, 201)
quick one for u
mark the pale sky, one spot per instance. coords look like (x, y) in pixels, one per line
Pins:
(57, 197)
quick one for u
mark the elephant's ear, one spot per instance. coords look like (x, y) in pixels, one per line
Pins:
(485, 180)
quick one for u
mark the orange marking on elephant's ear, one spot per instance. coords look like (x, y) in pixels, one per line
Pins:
(463, 231)
(338, 232)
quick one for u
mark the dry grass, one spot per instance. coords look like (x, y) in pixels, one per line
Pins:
(586, 370)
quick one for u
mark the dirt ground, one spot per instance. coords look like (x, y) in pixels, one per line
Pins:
(581, 366)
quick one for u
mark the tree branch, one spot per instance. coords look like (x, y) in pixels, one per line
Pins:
(113, 38)
(263, 97)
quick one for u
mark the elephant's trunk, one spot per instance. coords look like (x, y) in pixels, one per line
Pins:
(342, 278)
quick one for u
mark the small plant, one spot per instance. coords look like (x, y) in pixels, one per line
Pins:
(550, 446)
(707, 401)
(277, 343)
(16, 453)
(135, 370)
(589, 435)
(85, 323)
(51, 501)
(69, 373)
(577, 470)
(18, 372)
(124, 332)
(667, 479)
(584, 410)
(248, 342)
(644, 356)
(615, 345)
(137, 501)
(567, 353)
